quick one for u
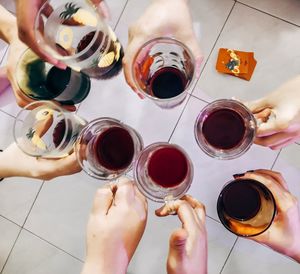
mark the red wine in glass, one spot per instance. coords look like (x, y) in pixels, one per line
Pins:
(168, 167)
(167, 82)
(114, 148)
(241, 200)
(224, 129)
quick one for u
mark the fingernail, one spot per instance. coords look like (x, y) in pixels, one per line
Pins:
(249, 171)
(238, 175)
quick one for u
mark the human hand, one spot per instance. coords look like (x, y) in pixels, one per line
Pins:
(15, 162)
(116, 225)
(161, 19)
(188, 245)
(279, 112)
(27, 11)
(284, 233)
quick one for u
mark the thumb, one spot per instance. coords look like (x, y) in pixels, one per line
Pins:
(178, 241)
(258, 105)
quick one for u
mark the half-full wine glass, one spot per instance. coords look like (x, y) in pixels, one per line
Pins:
(225, 129)
(246, 207)
(106, 148)
(164, 70)
(163, 172)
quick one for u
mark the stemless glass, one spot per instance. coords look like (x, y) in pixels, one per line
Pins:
(43, 129)
(77, 34)
(107, 148)
(163, 172)
(246, 207)
(40, 80)
(225, 129)
(164, 70)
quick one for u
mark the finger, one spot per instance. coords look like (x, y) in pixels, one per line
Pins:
(130, 53)
(277, 176)
(258, 105)
(125, 191)
(193, 45)
(275, 139)
(104, 10)
(263, 115)
(177, 241)
(184, 212)
(272, 126)
(283, 144)
(103, 200)
(69, 165)
(198, 207)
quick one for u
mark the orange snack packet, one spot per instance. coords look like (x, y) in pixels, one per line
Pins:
(237, 63)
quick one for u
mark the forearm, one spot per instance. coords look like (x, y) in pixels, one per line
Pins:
(6, 169)
(8, 26)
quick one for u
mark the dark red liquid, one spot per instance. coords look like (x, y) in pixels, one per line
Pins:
(59, 132)
(167, 83)
(241, 200)
(168, 167)
(114, 148)
(224, 129)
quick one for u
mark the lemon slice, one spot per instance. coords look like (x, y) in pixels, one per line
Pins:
(118, 50)
(106, 60)
(37, 141)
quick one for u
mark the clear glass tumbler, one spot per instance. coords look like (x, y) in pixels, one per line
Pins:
(40, 80)
(164, 70)
(44, 129)
(106, 148)
(246, 207)
(225, 129)
(163, 172)
(77, 34)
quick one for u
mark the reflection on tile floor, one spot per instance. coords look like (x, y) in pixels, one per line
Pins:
(54, 214)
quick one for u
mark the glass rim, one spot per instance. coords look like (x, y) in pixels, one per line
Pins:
(198, 121)
(38, 104)
(163, 39)
(130, 130)
(144, 191)
(68, 57)
(257, 183)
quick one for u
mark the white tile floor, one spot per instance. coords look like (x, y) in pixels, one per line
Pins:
(42, 225)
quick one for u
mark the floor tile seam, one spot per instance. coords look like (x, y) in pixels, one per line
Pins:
(214, 45)
(267, 13)
(117, 23)
(11, 221)
(277, 156)
(52, 244)
(2, 58)
(178, 120)
(4, 112)
(229, 255)
(33, 203)
(5, 263)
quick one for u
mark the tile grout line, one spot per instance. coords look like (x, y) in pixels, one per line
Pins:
(5, 263)
(1, 61)
(229, 255)
(278, 154)
(33, 203)
(177, 122)
(194, 96)
(4, 112)
(57, 247)
(272, 15)
(214, 45)
(117, 23)
(11, 221)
